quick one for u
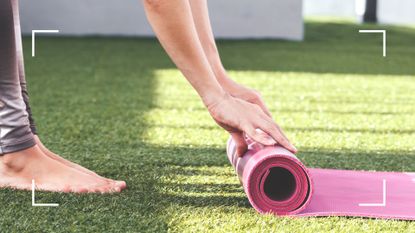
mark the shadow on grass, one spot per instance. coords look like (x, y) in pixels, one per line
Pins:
(181, 162)
(149, 193)
(100, 91)
(294, 110)
(328, 48)
(339, 130)
(87, 99)
(302, 129)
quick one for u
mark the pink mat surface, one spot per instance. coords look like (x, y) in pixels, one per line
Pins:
(275, 181)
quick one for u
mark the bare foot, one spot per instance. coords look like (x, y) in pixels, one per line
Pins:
(19, 168)
(78, 167)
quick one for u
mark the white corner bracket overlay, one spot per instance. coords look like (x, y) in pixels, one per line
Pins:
(40, 204)
(383, 34)
(34, 38)
(383, 204)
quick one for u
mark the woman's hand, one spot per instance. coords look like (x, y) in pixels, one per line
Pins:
(241, 92)
(237, 112)
(237, 116)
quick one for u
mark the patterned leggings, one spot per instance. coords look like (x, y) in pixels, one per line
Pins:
(16, 123)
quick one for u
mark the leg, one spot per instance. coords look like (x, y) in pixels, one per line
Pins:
(20, 64)
(25, 94)
(21, 159)
(15, 133)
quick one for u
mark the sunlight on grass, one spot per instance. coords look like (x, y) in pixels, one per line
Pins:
(119, 107)
(331, 111)
(337, 112)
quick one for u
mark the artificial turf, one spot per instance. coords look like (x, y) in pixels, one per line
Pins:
(119, 107)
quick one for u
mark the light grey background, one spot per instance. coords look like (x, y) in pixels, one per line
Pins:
(389, 11)
(397, 11)
(230, 18)
(340, 8)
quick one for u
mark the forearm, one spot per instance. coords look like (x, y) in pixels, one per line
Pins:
(204, 30)
(172, 22)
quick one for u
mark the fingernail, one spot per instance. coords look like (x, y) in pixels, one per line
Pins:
(270, 141)
(267, 140)
(294, 148)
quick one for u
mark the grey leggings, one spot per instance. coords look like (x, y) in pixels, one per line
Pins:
(16, 123)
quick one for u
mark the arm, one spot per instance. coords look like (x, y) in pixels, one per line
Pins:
(173, 24)
(201, 19)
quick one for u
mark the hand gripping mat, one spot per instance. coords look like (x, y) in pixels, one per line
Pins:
(276, 181)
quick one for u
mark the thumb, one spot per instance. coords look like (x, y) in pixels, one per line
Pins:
(241, 146)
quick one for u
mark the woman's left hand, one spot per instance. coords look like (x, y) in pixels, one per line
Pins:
(241, 92)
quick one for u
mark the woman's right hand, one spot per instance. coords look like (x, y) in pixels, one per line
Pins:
(238, 116)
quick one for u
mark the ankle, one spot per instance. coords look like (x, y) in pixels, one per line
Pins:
(16, 161)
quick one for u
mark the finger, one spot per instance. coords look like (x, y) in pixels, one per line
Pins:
(260, 131)
(241, 146)
(269, 127)
(262, 105)
(260, 137)
(282, 132)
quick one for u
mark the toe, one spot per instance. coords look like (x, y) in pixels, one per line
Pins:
(118, 183)
(121, 184)
(81, 190)
(116, 189)
(105, 189)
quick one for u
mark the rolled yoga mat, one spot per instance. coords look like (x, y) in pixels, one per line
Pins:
(275, 181)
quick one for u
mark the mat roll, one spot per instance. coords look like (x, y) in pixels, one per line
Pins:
(275, 181)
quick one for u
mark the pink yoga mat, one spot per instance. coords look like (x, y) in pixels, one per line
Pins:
(276, 181)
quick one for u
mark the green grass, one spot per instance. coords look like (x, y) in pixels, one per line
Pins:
(119, 107)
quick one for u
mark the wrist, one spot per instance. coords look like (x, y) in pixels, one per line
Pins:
(228, 84)
(221, 75)
(213, 97)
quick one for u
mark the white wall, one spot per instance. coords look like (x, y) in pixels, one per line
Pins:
(230, 18)
(396, 11)
(340, 8)
(389, 11)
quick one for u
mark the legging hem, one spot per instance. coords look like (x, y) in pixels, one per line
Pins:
(4, 149)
